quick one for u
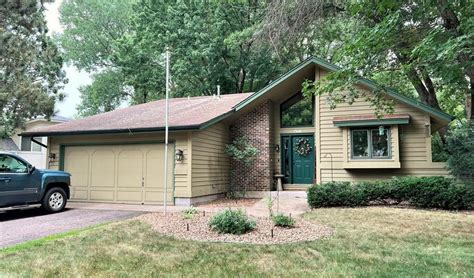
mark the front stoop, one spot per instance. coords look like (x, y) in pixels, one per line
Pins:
(286, 202)
(300, 193)
(295, 187)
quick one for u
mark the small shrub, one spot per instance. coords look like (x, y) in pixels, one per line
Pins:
(335, 194)
(421, 192)
(232, 194)
(231, 222)
(375, 192)
(433, 192)
(189, 213)
(282, 220)
(241, 150)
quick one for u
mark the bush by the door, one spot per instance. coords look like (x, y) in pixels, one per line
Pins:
(422, 192)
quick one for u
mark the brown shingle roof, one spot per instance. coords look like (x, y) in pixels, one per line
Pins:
(184, 113)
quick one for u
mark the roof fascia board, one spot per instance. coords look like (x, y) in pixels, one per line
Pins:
(392, 93)
(216, 120)
(279, 80)
(109, 131)
(44, 120)
(324, 64)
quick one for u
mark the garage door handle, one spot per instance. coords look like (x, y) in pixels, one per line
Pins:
(5, 179)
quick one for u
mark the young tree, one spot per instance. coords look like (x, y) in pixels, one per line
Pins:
(30, 65)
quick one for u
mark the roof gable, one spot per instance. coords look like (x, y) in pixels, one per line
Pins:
(369, 83)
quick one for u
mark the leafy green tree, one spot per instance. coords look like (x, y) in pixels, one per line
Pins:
(460, 146)
(91, 30)
(211, 42)
(105, 94)
(30, 65)
(412, 37)
(427, 44)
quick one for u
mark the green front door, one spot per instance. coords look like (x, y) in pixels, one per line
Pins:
(298, 159)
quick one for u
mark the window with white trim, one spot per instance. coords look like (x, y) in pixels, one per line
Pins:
(370, 143)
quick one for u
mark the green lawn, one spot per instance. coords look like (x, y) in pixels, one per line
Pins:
(382, 242)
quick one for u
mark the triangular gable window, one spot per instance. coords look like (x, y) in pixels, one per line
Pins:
(297, 111)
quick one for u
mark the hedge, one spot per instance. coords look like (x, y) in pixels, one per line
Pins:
(421, 192)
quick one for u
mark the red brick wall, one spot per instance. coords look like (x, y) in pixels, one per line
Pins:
(257, 127)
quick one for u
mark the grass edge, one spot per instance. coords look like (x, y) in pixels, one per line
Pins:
(42, 241)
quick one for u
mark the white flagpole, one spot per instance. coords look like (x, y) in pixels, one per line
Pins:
(166, 129)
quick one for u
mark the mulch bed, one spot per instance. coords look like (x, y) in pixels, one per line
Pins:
(174, 225)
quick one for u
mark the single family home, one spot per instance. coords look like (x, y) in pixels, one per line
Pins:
(31, 148)
(118, 156)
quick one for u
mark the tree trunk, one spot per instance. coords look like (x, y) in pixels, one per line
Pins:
(469, 104)
(451, 23)
(425, 89)
(241, 80)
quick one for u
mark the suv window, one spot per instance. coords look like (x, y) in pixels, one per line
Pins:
(9, 164)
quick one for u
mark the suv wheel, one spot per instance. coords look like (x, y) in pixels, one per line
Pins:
(54, 200)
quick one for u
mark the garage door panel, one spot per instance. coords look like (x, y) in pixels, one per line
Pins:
(120, 173)
(155, 168)
(78, 165)
(129, 196)
(101, 195)
(130, 169)
(79, 194)
(103, 169)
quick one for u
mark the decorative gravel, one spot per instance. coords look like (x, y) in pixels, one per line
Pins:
(174, 225)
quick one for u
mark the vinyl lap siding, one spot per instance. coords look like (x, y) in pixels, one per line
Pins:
(210, 165)
(414, 144)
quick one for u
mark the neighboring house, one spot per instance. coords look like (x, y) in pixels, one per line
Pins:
(118, 156)
(33, 152)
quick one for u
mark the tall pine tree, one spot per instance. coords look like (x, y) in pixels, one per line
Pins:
(30, 65)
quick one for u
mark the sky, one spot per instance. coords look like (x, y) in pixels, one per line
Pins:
(66, 108)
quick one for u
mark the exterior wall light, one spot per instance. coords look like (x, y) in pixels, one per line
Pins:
(277, 148)
(51, 159)
(381, 130)
(179, 155)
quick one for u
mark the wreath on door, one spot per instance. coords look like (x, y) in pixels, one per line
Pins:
(303, 147)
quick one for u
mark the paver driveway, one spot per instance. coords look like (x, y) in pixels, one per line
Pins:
(19, 226)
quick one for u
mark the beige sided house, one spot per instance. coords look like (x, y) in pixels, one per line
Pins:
(118, 156)
(31, 149)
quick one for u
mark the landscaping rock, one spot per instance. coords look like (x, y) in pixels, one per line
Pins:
(174, 225)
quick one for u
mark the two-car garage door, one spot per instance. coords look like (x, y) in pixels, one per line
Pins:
(119, 173)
